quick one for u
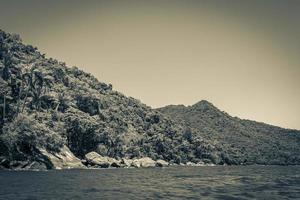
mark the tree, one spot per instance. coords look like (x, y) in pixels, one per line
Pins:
(47, 83)
(10, 65)
(4, 90)
(27, 78)
(24, 136)
(82, 134)
(36, 82)
(6, 72)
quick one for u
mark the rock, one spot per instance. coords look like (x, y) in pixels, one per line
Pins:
(201, 163)
(190, 164)
(143, 162)
(126, 162)
(4, 163)
(83, 161)
(161, 163)
(64, 159)
(22, 165)
(94, 159)
(36, 166)
(136, 163)
(18, 165)
(115, 164)
(198, 164)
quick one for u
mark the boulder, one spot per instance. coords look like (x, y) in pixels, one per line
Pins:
(36, 166)
(94, 159)
(200, 163)
(18, 165)
(64, 159)
(190, 164)
(126, 162)
(161, 163)
(136, 163)
(143, 162)
(4, 163)
(196, 164)
(39, 164)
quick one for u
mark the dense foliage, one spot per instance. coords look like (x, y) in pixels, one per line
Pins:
(241, 141)
(45, 104)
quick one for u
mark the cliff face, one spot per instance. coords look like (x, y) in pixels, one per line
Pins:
(49, 110)
(241, 141)
(47, 105)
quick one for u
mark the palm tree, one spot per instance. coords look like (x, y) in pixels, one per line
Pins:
(6, 71)
(27, 77)
(61, 100)
(35, 83)
(48, 81)
(4, 92)
(38, 83)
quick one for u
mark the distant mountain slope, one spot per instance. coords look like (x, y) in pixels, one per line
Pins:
(46, 105)
(241, 141)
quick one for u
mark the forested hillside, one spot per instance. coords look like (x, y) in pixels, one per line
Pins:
(46, 105)
(242, 141)
(49, 110)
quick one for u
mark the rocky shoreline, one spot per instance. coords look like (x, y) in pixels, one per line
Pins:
(65, 159)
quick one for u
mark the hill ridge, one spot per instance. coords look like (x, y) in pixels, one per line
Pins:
(238, 138)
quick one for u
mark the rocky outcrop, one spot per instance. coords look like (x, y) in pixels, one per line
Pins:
(4, 163)
(35, 165)
(126, 163)
(64, 159)
(143, 162)
(95, 160)
(161, 163)
(39, 164)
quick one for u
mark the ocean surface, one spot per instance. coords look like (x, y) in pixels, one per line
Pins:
(218, 182)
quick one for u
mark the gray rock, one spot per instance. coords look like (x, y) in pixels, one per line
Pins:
(143, 162)
(36, 166)
(94, 159)
(161, 163)
(18, 165)
(190, 164)
(126, 162)
(4, 163)
(64, 159)
(136, 163)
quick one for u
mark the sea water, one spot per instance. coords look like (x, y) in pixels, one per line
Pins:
(180, 182)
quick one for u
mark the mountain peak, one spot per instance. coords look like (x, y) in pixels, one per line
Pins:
(204, 104)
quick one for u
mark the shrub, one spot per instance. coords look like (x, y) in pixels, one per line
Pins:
(24, 136)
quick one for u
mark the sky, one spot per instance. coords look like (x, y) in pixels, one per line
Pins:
(243, 56)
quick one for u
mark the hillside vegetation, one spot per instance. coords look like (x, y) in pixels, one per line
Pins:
(241, 141)
(46, 105)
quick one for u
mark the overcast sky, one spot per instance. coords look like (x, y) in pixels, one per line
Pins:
(243, 56)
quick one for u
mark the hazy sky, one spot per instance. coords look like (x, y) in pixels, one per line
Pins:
(243, 56)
